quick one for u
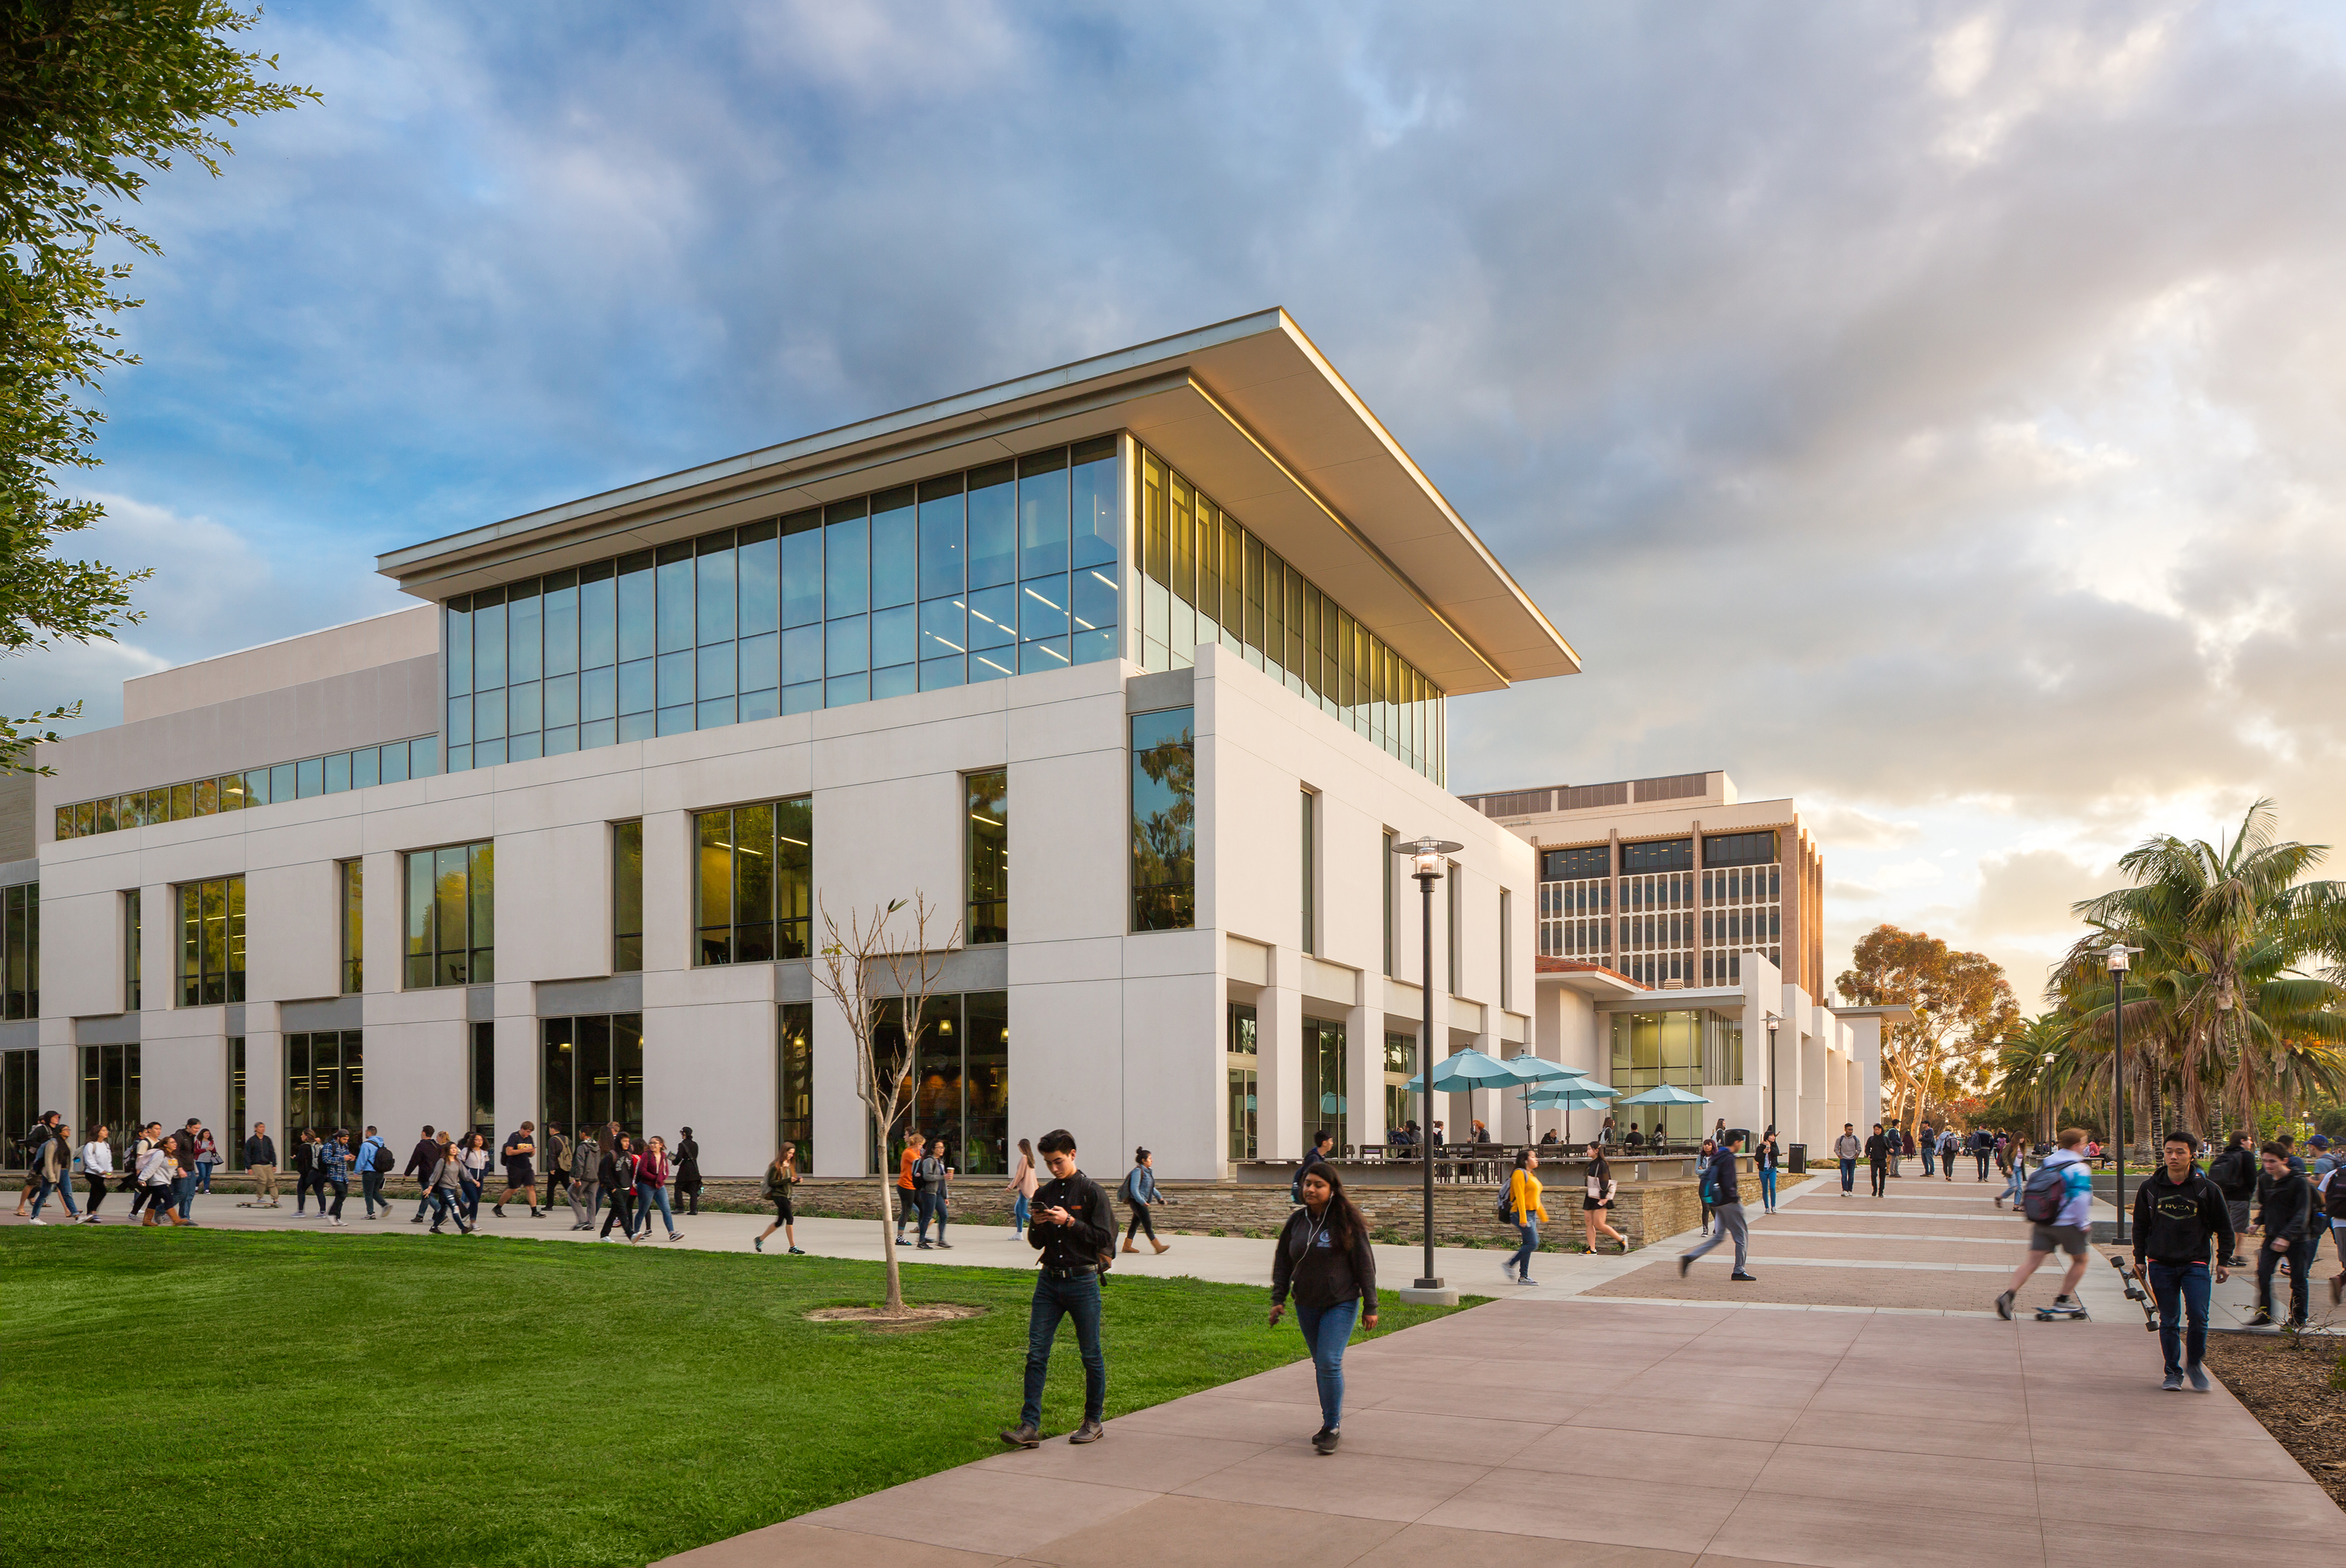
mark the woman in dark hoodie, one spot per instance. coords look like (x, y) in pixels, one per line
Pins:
(1324, 1258)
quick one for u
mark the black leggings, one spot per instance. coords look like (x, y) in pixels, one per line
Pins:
(621, 1203)
(96, 1191)
(1141, 1221)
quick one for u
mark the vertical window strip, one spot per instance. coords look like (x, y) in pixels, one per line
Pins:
(987, 851)
(211, 942)
(626, 897)
(353, 904)
(450, 929)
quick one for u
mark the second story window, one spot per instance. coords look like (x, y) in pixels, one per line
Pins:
(130, 953)
(353, 901)
(1164, 820)
(211, 942)
(451, 925)
(754, 881)
(20, 910)
(626, 897)
(988, 801)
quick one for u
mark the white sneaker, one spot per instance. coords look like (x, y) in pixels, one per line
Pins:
(36, 1220)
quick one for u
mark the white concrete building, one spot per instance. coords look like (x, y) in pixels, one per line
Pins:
(1136, 667)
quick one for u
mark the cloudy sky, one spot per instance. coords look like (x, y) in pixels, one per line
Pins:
(1931, 412)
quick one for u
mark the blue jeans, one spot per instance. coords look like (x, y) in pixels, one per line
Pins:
(1020, 1211)
(1848, 1175)
(204, 1175)
(1077, 1297)
(371, 1188)
(446, 1203)
(647, 1194)
(470, 1200)
(1926, 1161)
(2185, 1284)
(1521, 1263)
(63, 1187)
(1325, 1331)
(933, 1207)
(1768, 1187)
(183, 1195)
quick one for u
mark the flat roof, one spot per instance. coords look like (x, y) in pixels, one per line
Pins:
(1248, 409)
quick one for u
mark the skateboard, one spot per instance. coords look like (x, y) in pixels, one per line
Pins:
(2047, 1315)
(2136, 1292)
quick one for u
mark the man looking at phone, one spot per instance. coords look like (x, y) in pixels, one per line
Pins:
(1072, 1228)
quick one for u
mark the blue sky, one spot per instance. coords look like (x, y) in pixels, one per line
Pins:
(1928, 410)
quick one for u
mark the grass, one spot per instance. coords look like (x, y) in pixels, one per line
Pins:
(222, 1398)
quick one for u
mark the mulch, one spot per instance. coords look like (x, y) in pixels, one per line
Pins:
(2298, 1391)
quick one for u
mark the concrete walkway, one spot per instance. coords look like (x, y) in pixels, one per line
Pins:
(1825, 1418)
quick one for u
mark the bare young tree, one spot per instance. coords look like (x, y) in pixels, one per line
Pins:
(867, 969)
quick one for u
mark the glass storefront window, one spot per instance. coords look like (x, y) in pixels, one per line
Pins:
(591, 1074)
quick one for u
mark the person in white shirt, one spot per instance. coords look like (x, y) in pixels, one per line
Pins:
(97, 1164)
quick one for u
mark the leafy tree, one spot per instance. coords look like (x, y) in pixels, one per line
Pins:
(1962, 1003)
(93, 94)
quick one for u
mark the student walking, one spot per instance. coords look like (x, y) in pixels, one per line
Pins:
(155, 1173)
(305, 1172)
(208, 1154)
(1325, 1259)
(688, 1172)
(334, 1171)
(2333, 1191)
(1021, 1185)
(1525, 1211)
(183, 1176)
(475, 1162)
(2176, 1212)
(1139, 1192)
(54, 1168)
(1727, 1199)
(2064, 1174)
(1877, 1159)
(421, 1159)
(930, 1174)
(29, 1147)
(1984, 1149)
(652, 1172)
(1950, 1145)
(781, 1177)
(519, 1150)
(443, 1186)
(261, 1164)
(374, 1157)
(96, 1165)
(561, 1175)
(618, 1178)
(1926, 1143)
(141, 1141)
(1846, 1148)
(586, 1175)
(1073, 1228)
(2288, 1214)
(1702, 1182)
(1596, 1197)
(908, 1186)
(2017, 1182)
(1763, 1159)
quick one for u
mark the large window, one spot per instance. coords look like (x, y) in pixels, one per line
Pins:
(1205, 577)
(1242, 1059)
(592, 1071)
(1307, 837)
(1655, 1048)
(131, 957)
(753, 873)
(626, 897)
(353, 901)
(1401, 1066)
(109, 1094)
(370, 765)
(325, 1083)
(1391, 856)
(1740, 848)
(794, 1079)
(987, 797)
(961, 1082)
(1657, 855)
(211, 942)
(969, 576)
(20, 1096)
(1325, 1097)
(451, 924)
(1573, 865)
(20, 941)
(1164, 820)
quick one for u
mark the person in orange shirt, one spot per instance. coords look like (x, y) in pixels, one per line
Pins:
(905, 1190)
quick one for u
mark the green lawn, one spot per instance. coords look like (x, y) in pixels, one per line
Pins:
(269, 1398)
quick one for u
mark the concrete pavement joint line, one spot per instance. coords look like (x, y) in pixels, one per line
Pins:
(1891, 1236)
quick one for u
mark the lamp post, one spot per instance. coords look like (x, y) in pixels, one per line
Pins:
(2115, 954)
(1773, 1120)
(1426, 858)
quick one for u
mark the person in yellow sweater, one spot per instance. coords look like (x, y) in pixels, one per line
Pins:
(1523, 1203)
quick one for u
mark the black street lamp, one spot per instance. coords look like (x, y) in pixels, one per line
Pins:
(1773, 1120)
(1427, 857)
(2117, 956)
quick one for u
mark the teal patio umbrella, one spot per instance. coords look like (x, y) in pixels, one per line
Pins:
(1666, 1094)
(1463, 1071)
(1568, 1096)
(1531, 1070)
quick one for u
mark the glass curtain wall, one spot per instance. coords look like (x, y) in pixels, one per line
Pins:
(109, 1094)
(1324, 1093)
(20, 1097)
(20, 941)
(591, 1072)
(325, 1083)
(1242, 1057)
(390, 763)
(451, 935)
(794, 1079)
(1205, 577)
(988, 853)
(753, 876)
(211, 942)
(1164, 820)
(966, 578)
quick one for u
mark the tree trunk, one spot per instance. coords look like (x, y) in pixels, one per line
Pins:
(895, 1303)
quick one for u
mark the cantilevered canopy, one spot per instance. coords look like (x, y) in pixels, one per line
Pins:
(1249, 410)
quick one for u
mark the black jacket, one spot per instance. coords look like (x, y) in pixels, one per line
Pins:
(1076, 1246)
(2235, 1173)
(1726, 1186)
(2173, 1221)
(423, 1157)
(305, 1156)
(260, 1150)
(1877, 1150)
(687, 1166)
(2288, 1207)
(1321, 1273)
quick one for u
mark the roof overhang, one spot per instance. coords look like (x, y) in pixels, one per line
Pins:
(1722, 999)
(1250, 410)
(1592, 980)
(1889, 1012)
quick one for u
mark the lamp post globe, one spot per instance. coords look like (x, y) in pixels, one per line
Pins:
(1428, 858)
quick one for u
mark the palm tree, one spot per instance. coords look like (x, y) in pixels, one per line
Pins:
(2217, 993)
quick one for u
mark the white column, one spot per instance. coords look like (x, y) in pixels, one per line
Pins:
(1283, 1121)
(1364, 1075)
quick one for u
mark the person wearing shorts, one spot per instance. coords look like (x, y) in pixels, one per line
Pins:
(2066, 1232)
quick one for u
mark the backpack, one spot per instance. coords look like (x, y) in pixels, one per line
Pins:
(1506, 1207)
(2041, 1199)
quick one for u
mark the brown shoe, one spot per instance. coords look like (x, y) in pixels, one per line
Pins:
(1090, 1432)
(1128, 1246)
(1160, 1245)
